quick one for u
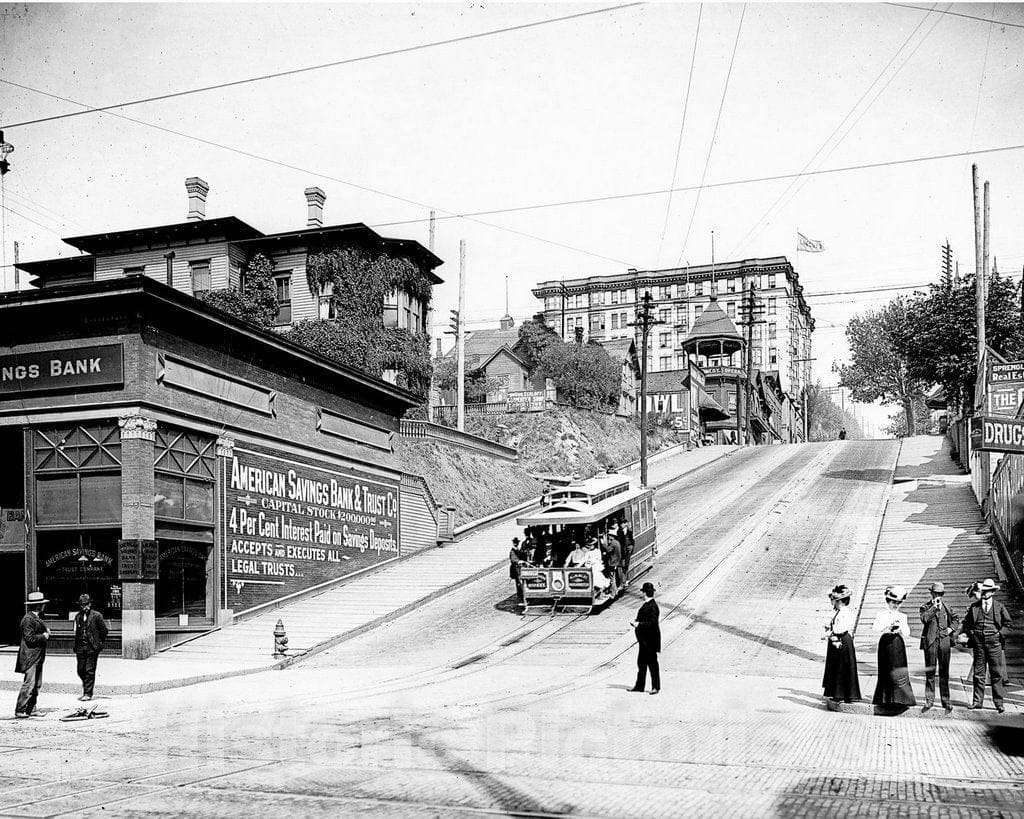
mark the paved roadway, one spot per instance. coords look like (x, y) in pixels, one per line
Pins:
(464, 708)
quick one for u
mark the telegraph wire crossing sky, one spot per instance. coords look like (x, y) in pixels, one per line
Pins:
(565, 139)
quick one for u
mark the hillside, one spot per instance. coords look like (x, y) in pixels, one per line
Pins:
(562, 442)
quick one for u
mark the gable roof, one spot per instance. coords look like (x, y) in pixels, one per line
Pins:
(485, 343)
(666, 381)
(713, 323)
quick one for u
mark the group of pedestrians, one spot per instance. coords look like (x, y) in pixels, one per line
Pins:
(982, 629)
(90, 634)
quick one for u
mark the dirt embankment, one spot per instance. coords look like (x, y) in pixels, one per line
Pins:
(562, 442)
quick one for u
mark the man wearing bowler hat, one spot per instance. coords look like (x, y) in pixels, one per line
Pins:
(648, 638)
(939, 623)
(31, 654)
(983, 629)
(90, 632)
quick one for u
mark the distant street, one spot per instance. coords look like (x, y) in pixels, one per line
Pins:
(464, 708)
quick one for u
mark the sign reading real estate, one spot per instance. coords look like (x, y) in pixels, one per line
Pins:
(289, 526)
(1012, 372)
(56, 370)
(990, 434)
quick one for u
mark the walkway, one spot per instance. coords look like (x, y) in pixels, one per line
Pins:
(928, 533)
(337, 614)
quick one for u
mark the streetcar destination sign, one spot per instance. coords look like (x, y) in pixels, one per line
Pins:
(990, 434)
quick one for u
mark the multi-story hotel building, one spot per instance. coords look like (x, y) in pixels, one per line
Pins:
(779, 335)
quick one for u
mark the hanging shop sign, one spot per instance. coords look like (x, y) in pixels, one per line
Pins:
(289, 526)
(990, 434)
(57, 370)
(138, 560)
(1010, 372)
(1005, 399)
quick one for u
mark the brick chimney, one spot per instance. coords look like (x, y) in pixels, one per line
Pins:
(315, 199)
(197, 190)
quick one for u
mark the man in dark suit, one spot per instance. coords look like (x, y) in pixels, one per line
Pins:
(90, 632)
(648, 638)
(611, 551)
(983, 629)
(939, 624)
(31, 654)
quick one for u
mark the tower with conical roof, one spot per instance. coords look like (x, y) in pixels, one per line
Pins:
(717, 346)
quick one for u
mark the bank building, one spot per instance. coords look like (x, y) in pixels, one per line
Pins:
(182, 466)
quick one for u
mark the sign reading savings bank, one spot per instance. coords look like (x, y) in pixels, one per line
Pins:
(289, 526)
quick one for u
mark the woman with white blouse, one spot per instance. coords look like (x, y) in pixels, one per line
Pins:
(893, 687)
(840, 680)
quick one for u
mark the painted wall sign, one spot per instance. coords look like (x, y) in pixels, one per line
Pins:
(1005, 399)
(56, 370)
(288, 526)
(1012, 372)
(997, 434)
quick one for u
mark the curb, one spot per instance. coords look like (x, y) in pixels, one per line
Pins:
(139, 688)
(960, 712)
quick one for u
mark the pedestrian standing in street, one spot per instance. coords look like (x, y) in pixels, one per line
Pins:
(983, 630)
(939, 623)
(90, 634)
(31, 654)
(648, 638)
(840, 681)
(893, 687)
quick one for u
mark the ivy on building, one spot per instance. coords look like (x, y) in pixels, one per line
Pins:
(255, 300)
(358, 282)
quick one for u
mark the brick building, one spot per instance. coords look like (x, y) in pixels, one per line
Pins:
(602, 307)
(181, 466)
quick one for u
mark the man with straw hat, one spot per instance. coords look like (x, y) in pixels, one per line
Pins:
(31, 654)
(939, 623)
(983, 629)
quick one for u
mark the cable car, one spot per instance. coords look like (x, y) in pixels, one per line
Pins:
(576, 513)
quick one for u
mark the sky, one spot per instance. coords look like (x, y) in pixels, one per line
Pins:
(583, 108)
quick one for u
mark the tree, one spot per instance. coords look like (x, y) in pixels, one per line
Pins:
(477, 384)
(939, 341)
(584, 374)
(880, 369)
(825, 419)
(255, 300)
(535, 337)
(922, 421)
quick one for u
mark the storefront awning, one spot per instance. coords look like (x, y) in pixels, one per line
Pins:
(711, 410)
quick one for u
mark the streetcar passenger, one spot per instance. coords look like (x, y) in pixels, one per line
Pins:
(596, 565)
(577, 557)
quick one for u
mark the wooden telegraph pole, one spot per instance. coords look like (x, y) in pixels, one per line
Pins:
(460, 342)
(645, 321)
(979, 267)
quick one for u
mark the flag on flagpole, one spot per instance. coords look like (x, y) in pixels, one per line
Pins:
(808, 245)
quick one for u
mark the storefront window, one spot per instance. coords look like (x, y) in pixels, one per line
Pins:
(57, 499)
(101, 497)
(71, 563)
(181, 588)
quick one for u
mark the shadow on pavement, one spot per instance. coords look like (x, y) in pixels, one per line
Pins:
(863, 795)
(507, 799)
(808, 699)
(1007, 738)
(866, 475)
(753, 637)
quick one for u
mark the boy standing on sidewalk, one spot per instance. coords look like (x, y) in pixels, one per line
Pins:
(90, 632)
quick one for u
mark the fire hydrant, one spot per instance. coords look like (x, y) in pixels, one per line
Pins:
(280, 640)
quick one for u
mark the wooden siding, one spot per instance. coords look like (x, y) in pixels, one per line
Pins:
(504, 364)
(112, 267)
(417, 517)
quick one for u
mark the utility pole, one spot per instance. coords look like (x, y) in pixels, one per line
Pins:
(17, 273)
(460, 342)
(564, 293)
(985, 245)
(750, 314)
(645, 321)
(979, 267)
(947, 264)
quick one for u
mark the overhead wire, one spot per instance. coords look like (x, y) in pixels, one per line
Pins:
(771, 208)
(961, 14)
(321, 66)
(682, 127)
(714, 134)
(981, 82)
(322, 175)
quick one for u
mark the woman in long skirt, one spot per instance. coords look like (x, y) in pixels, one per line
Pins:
(893, 687)
(840, 680)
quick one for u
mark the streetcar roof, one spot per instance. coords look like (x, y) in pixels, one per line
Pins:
(581, 511)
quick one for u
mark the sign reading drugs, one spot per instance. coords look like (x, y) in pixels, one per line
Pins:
(289, 526)
(55, 370)
(990, 434)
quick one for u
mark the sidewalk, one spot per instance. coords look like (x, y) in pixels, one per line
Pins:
(928, 534)
(338, 614)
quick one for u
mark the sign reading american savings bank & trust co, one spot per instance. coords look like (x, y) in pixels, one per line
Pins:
(289, 526)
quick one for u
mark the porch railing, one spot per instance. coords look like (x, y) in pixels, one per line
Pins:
(447, 435)
(1006, 512)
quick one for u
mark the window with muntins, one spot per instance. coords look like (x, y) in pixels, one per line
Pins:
(283, 286)
(77, 474)
(185, 466)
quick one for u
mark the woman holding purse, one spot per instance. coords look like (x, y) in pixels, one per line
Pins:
(893, 687)
(840, 680)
